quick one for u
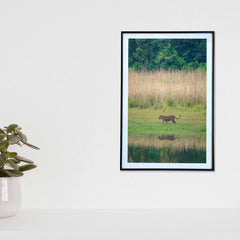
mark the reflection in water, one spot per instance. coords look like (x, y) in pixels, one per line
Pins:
(172, 141)
(167, 137)
(167, 149)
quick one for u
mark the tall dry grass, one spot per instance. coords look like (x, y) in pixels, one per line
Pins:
(171, 88)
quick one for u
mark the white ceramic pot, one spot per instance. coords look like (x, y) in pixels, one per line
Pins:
(10, 196)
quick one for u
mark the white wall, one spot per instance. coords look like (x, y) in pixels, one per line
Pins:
(60, 80)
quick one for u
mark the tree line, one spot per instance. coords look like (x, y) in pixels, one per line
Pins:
(167, 54)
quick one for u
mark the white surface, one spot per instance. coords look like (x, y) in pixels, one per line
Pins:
(10, 196)
(60, 80)
(123, 224)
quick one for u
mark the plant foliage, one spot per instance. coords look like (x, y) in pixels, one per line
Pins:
(11, 164)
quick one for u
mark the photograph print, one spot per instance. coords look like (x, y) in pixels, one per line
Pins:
(167, 95)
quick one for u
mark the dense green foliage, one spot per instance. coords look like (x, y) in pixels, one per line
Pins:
(167, 54)
(10, 161)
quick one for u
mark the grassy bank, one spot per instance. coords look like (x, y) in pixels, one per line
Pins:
(145, 121)
(161, 89)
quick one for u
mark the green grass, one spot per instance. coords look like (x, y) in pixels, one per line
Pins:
(145, 121)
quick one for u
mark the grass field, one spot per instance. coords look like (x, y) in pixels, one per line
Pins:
(145, 121)
(161, 89)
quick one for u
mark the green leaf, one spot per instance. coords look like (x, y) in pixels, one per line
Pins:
(1, 160)
(27, 167)
(2, 136)
(13, 139)
(1, 131)
(12, 154)
(23, 159)
(15, 160)
(12, 173)
(30, 145)
(21, 135)
(3, 144)
(12, 164)
(11, 127)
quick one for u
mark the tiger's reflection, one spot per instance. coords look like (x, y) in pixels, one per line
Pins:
(167, 137)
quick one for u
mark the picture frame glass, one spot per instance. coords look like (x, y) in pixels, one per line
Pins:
(167, 101)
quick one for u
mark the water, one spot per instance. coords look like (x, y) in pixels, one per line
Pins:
(159, 148)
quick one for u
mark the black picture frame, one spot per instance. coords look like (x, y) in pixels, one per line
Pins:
(210, 36)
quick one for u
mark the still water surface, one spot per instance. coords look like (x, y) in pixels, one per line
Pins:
(157, 148)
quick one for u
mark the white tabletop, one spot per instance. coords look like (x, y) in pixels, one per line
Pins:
(122, 224)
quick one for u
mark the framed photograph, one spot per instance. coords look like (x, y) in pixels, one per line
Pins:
(167, 101)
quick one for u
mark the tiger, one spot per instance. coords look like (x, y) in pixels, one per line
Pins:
(169, 118)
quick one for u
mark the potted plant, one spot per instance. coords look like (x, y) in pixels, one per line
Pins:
(12, 166)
